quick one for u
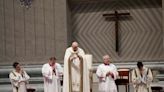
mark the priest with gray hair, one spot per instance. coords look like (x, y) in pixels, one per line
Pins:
(107, 74)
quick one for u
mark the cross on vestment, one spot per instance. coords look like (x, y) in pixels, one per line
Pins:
(116, 16)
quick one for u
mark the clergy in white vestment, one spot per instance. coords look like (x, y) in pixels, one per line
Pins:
(73, 55)
(142, 78)
(107, 74)
(52, 72)
(19, 78)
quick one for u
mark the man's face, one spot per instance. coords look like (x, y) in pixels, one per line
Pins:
(18, 67)
(74, 48)
(106, 60)
(52, 62)
(141, 68)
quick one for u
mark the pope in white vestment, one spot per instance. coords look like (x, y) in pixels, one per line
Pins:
(142, 78)
(107, 74)
(51, 73)
(72, 53)
(19, 78)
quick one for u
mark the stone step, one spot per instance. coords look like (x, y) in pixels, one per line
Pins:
(160, 83)
(8, 87)
(158, 65)
(35, 70)
(33, 80)
(160, 77)
(32, 70)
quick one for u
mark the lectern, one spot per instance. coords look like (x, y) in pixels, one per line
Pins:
(123, 79)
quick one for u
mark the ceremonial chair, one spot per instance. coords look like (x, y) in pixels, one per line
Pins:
(157, 89)
(123, 79)
(31, 90)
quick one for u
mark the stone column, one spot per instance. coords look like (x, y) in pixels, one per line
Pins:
(163, 24)
(60, 28)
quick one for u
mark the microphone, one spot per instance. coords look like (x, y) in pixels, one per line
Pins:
(54, 71)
